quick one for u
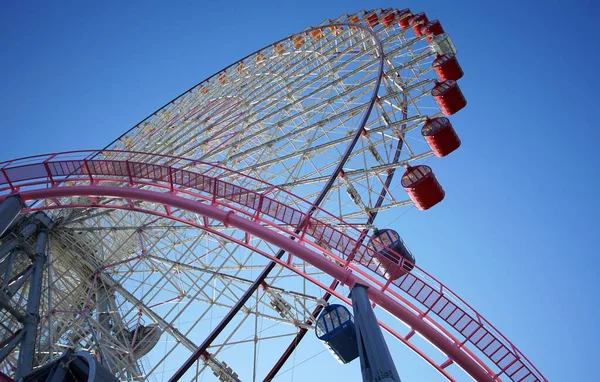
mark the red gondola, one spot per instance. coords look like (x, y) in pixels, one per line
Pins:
(404, 18)
(422, 187)
(371, 19)
(316, 34)
(447, 67)
(298, 41)
(433, 27)
(278, 49)
(388, 19)
(448, 96)
(440, 136)
(222, 78)
(417, 21)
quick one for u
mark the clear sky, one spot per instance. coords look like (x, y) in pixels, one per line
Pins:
(516, 234)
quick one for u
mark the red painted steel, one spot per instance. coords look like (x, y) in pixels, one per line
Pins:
(417, 298)
(448, 96)
(447, 67)
(422, 187)
(440, 136)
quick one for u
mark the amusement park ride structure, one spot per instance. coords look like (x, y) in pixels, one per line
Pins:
(279, 164)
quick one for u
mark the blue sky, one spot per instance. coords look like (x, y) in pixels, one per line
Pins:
(516, 234)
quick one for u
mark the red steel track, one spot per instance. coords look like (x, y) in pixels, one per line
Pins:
(178, 184)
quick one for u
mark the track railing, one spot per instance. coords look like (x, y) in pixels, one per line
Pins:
(419, 292)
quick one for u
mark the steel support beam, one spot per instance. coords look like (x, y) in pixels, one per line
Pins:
(376, 362)
(30, 322)
(6, 305)
(11, 244)
(103, 311)
(7, 346)
(8, 247)
(9, 210)
(6, 270)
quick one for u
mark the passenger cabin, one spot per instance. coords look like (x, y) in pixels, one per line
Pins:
(371, 19)
(390, 251)
(417, 21)
(336, 30)
(260, 58)
(440, 136)
(336, 329)
(223, 78)
(404, 17)
(433, 27)
(448, 96)
(316, 34)
(278, 49)
(298, 41)
(145, 339)
(353, 20)
(422, 187)
(447, 67)
(388, 17)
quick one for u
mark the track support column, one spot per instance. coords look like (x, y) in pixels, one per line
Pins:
(376, 362)
(9, 210)
(30, 322)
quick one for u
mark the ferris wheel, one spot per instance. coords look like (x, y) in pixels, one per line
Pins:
(251, 200)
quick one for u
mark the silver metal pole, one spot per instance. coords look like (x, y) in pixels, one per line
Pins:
(9, 210)
(375, 358)
(30, 323)
(50, 285)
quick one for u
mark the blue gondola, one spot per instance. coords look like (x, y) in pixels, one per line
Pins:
(336, 329)
(387, 245)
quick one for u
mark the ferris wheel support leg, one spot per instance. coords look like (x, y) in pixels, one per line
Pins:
(30, 322)
(9, 210)
(375, 359)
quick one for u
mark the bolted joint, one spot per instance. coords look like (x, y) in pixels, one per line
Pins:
(42, 220)
(31, 318)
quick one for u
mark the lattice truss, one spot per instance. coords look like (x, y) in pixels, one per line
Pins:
(284, 115)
